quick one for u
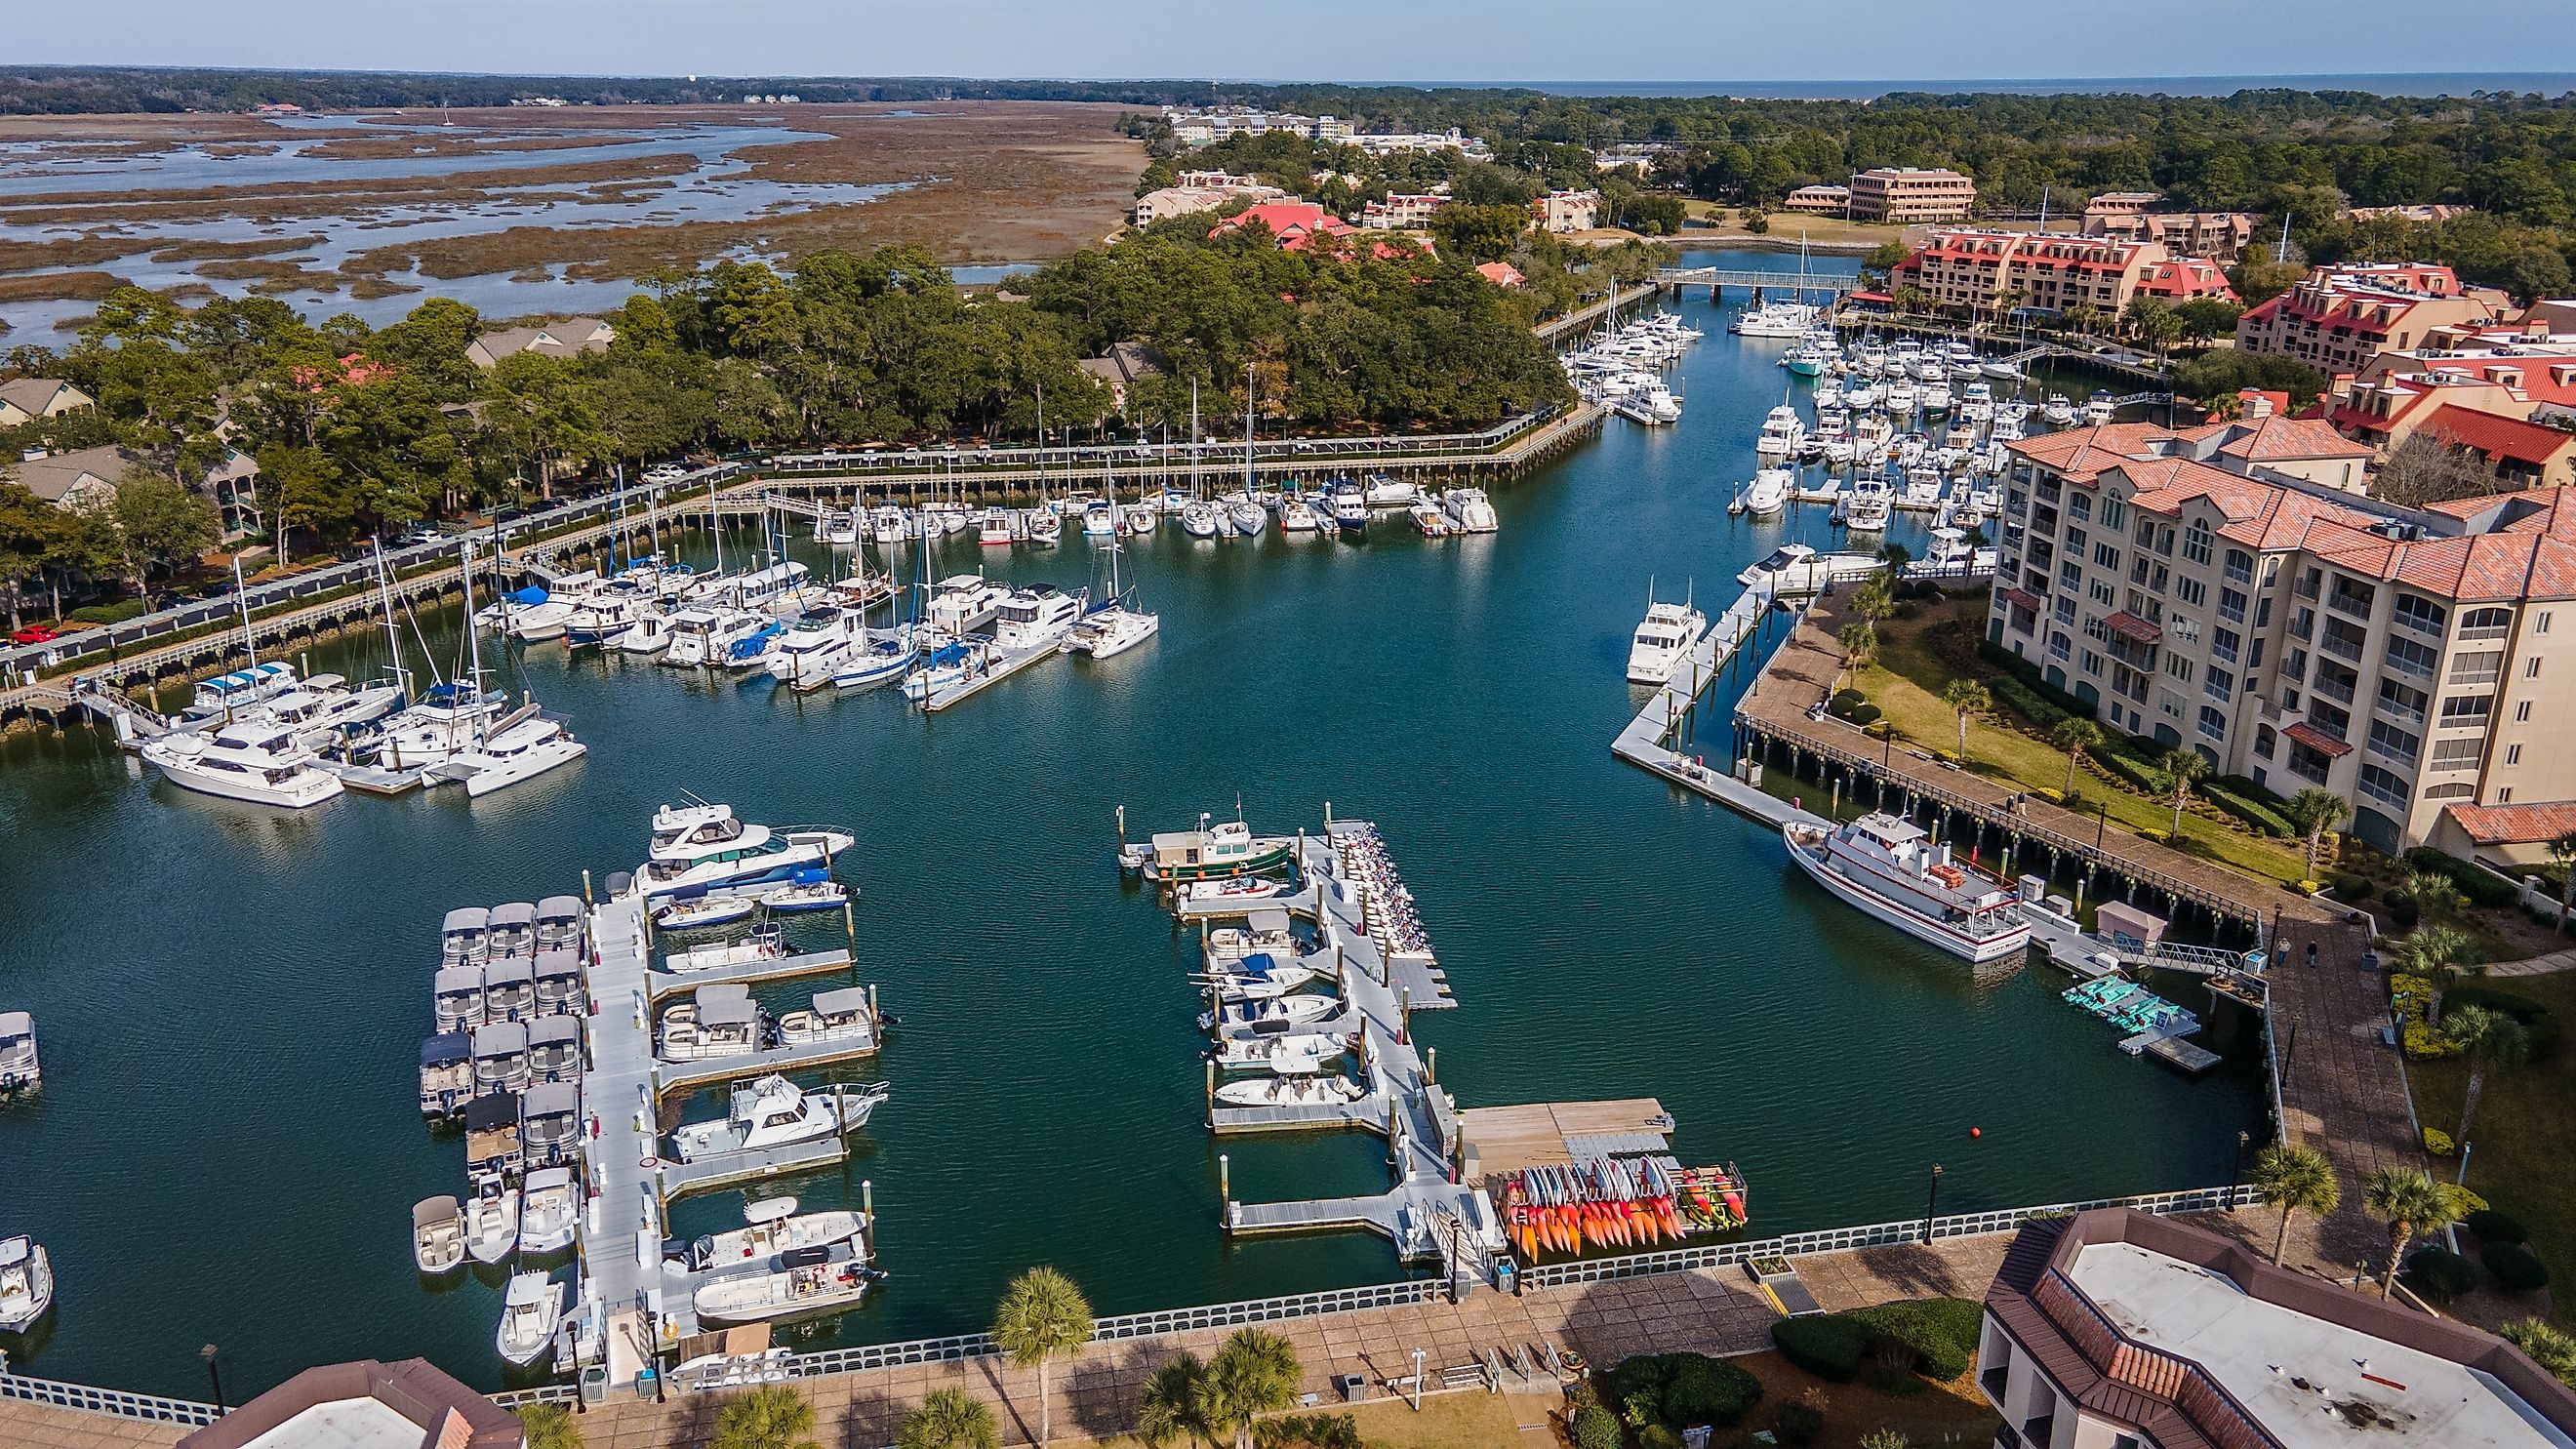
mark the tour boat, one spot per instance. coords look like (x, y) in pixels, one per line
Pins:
(1667, 636)
(1888, 868)
(253, 760)
(1316, 1091)
(19, 1064)
(888, 653)
(492, 1221)
(701, 845)
(437, 1235)
(771, 1226)
(26, 1283)
(775, 1112)
(1469, 510)
(964, 604)
(1037, 617)
(1768, 493)
(548, 1212)
(532, 1310)
(815, 1281)
(1226, 848)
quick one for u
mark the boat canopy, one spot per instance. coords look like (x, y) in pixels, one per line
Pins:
(547, 1031)
(546, 1177)
(464, 919)
(14, 1251)
(1260, 963)
(846, 1001)
(1263, 922)
(446, 1049)
(561, 961)
(515, 914)
(430, 1212)
(458, 980)
(947, 654)
(558, 908)
(806, 1257)
(713, 998)
(554, 1099)
(532, 594)
(16, 1024)
(500, 1039)
(528, 1290)
(509, 972)
(728, 1013)
(492, 1110)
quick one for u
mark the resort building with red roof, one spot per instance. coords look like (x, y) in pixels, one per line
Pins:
(2338, 318)
(1989, 273)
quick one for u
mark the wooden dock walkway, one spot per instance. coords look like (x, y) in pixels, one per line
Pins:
(680, 1075)
(1006, 662)
(1646, 742)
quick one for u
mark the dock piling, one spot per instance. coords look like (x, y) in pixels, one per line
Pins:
(1225, 1177)
(1431, 1064)
(868, 1203)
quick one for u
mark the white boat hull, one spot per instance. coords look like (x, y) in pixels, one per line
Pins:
(1913, 923)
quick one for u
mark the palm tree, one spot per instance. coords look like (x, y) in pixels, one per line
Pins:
(2563, 851)
(2295, 1179)
(772, 1416)
(2411, 1204)
(949, 1419)
(2435, 892)
(1965, 697)
(1875, 599)
(2549, 1347)
(1041, 1315)
(1256, 1372)
(2487, 1039)
(2441, 955)
(2183, 767)
(550, 1426)
(2075, 736)
(2312, 812)
(1859, 643)
(1173, 1402)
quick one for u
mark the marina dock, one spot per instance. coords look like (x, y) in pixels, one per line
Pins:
(1647, 742)
(658, 984)
(1006, 662)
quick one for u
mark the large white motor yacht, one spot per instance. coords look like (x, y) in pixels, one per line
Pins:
(771, 1226)
(700, 847)
(818, 644)
(1888, 868)
(1666, 638)
(775, 1112)
(254, 760)
(964, 603)
(1038, 617)
(1469, 510)
(521, 751)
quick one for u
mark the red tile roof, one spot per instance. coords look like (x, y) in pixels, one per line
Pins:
(2130, 626)
(2186, 277)
(2516, 824)
(2318, 740)
(2277, 439)
(2023, 597)
(2498, 436)
(1292, 222)
(2079, 455)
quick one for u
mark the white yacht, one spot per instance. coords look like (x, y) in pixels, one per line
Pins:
(446, 721)
(771, 1226)
(26, 1283)
(1667, 637)
(2058, 411)
(701, 847)
(253, 760)
(610, 615)
(1296, 516)
(492, 1221)
(1292, 1054)
(532, 1310)
(520, 751)
(1782, 432)
(775, 1112)
(326, 709)
(1386, 492)
(1775, 319)
(884, 654)
(749, 591)
(218, 699)
(648, 635)
(437, 1235)
(1469, 510)
(1768, 493)
(1037, 617)
(1867, 506)
(815, 1281)
(1271, 1016)
(2097, 408)
(19, 1064)
(549, 1210)
(963, 604)
(1888, 868)
(817, 645)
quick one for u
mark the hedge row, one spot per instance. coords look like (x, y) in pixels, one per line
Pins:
(2482, 887)
(2025, 701)
(2028, 673)
(1681, 1390)
(1940, 1332)
(2253, 812)
(1830, 1346)
(2131, 771)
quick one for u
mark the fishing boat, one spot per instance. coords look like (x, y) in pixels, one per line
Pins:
(1293, 1054)
(771, 1226)
(1225, 848)
(549, 1212)
(1269, 1017)
(1663, 641)
(437, 1235)
(1889, 869)
(532, 1310)
(492, 1220)
(1296, 1091)
(19, 1065)
(816, 1281)
(251, 760)
(775, 1112)
(26, 1283)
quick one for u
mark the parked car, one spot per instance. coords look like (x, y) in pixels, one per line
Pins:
(35, 634)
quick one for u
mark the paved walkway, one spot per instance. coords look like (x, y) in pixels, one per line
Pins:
(42, 1426)
(2550, 964)
(2343, 1090)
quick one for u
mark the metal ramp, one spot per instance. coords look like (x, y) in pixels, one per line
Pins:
(1778, 1279)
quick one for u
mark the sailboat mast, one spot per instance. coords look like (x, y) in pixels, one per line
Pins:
(1249, 484)
(393, 638)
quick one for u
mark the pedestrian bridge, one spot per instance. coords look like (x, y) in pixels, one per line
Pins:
(1812, 283)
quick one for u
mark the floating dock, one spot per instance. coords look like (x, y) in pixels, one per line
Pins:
(659, 984)
(1502, 1140)
(1006, 662)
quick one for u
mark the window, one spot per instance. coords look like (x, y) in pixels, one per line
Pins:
(2164, 539)
(2505, 796)
(2476, 667)
(2197, 542)
(2522, 711)
(2115, 512)
(2231, 605)
(2421, 615)
(2070, 575)
(2351, 596)
(2380, 785)
(2177, 666)
(2467, 711)
(2106, 556)
(2397, 744)
(2101, 592)
(2460, 753)
(2486, 625)
(2531, 667)
(2213, 721)
(2168, 704)
(2092, 662)
(2407, 704)
(2254, 657)
(2456, 790)
(2079, 507)
(2058, 644)
(2184, 628)
(2192, 592)
(2513, 754)
(2074, 540)
(2240, 566)
(2540, 623)
(2063, 610)
(2220, 684)
(2263, 612)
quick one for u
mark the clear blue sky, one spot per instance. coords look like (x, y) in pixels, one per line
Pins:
(1431, 40)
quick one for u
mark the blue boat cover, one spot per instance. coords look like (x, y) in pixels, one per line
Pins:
(1260, 963)
(529, 595)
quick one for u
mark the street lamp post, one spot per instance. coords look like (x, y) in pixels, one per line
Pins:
(1932, 1204)
(2236, 1168)
(214, 1378)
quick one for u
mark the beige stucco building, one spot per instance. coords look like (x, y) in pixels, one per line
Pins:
(1911, 193)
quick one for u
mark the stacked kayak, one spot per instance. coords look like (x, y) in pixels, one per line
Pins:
(1607, 1202)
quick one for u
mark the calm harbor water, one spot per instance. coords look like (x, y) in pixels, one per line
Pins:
(230, 999)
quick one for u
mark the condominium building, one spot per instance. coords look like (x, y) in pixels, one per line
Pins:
(2124, 216)
(2116, 1329)
(2338, 318)
(1197, 128)
(1818, 200)
(1567, 211)
(2217, 588)
(1198, 191)
(1387, 143)
(1912, 193)
(1402, 211)
(1993, 272)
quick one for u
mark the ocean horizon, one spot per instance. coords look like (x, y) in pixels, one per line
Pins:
(2437, 83)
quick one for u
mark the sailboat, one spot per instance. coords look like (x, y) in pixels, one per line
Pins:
(1115, 627)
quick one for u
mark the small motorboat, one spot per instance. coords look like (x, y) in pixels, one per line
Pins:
(705, 911)
(1297, 516)
(766, 943)
(1277, 1015)
(492, 1221)
(1304, 1091)
(1289, 1054)
(1234, 888)
(807, 895)
(775, 1112)
(771, 1226)
(437, 1234)
(548, 1211)
(19, 1066)
(26, 1283)
(1045, 528)
(996, 532)
(1430, 519)
(815, 1281)
(532, 1309)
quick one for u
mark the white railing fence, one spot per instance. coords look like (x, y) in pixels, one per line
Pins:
(117, 1402)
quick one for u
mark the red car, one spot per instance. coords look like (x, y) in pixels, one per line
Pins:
(34, 634)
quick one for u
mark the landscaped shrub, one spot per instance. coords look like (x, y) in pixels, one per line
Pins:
(2494, 1227)
(1704, 1390)
(1597, 1428)
(2539, 1025)
(2438, 1142)
(2482, 887)
(1656, 1436)
(2414, 994)
(2025, 701)
(1797, 1425)
(2252, 789)
(2403, 913)
(2351, 889)
(1307, 1431)
(2252, 812)
(2440, 1274)
(1941, 1333)
(108, 613)
(2515, 1267)
(1828, 1345)
(2028, 673)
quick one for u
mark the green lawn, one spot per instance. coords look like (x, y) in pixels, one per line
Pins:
(2525, 1135)
(1906, 683)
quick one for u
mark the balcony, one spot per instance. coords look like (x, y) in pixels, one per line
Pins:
(2332, 688)
(2349, 601)
(2340, 647)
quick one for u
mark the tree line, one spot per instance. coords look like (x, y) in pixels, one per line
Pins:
(362, 430)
